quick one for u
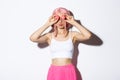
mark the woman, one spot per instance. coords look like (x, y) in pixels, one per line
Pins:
(61, 42)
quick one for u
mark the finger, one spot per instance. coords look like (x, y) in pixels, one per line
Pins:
(52, 17)
(67, 21)
(56, 17)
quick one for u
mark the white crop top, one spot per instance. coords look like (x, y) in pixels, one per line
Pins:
(61, 49)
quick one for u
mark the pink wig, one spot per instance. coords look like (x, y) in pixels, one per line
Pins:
(62, 11)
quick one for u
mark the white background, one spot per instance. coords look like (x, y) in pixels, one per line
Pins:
(21, 59)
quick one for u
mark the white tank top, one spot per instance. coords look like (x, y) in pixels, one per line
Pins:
(61, 49)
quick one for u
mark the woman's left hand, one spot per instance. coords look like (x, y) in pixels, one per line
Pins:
(70, 19)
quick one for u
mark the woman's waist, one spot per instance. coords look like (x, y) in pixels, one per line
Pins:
(61, 61)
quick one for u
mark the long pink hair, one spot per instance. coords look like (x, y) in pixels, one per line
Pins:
(62, 11)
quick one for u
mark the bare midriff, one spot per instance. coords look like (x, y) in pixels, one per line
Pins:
(61, 61)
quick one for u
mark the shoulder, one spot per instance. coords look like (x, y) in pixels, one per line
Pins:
(77, 36)
(48, 35)
(73, 35)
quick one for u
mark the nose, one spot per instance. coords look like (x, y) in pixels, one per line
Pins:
(60, 20)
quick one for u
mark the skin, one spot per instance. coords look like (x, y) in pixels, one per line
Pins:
(82, 35)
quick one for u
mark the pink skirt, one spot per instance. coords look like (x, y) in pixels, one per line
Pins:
(66, 72)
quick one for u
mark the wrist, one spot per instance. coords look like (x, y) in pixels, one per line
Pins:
(74, 23)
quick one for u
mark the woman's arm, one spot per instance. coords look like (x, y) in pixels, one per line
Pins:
(84, 34)
(37, 35)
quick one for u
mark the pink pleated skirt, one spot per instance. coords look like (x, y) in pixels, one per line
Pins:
(66, 72)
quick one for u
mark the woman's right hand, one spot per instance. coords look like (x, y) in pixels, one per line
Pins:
(52, 20)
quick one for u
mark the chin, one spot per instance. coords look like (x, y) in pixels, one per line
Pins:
(61, 27)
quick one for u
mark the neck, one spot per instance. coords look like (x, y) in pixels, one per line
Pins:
(61, 31)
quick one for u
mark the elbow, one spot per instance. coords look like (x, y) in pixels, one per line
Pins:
(89, 36)
(32, 39)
